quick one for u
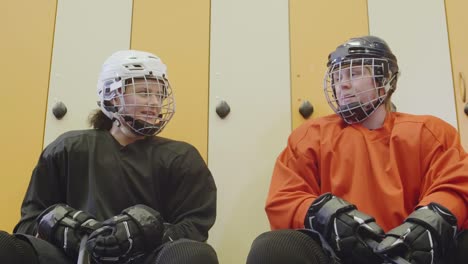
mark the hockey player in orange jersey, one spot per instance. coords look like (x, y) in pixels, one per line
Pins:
(367, 184)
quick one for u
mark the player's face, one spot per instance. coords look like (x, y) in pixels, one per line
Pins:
(354, 84)
(143, 99)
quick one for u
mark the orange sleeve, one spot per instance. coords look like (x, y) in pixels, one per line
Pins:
(446, 179)
(294, 184)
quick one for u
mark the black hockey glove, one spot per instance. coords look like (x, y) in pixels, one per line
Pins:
(344, 228)
(424, 237)
(64, 227)
(127, 237)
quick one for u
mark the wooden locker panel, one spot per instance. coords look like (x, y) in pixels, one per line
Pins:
(249, 69)
(86, 33)
(27, 30)
(316, 29)
(179, 33)
(416, 31)
(457, 22)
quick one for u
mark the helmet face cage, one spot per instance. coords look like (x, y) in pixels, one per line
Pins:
(134, 90)
(365, 100)
(145, 104)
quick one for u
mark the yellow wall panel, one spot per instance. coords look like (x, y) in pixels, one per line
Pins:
(316, 29)
(27, 35)
(457, 23)
(178, 32)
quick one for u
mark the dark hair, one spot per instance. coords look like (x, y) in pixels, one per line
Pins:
(97, 119)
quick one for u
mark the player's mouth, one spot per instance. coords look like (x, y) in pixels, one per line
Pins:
(347, 98)
(150, 114)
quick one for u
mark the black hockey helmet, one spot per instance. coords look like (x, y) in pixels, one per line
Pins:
(366, 51)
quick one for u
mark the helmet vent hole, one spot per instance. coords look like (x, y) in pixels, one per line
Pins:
(133, 67)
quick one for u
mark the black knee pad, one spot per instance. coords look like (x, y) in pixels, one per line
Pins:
(185, 251)
(461, 251)
(286, 247)
(14, 250)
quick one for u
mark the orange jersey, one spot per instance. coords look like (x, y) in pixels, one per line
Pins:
(387, 172)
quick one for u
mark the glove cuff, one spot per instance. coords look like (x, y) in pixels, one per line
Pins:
(440, 222)
(149, 222)
(64, 226)
(324, 209)
(61, 215)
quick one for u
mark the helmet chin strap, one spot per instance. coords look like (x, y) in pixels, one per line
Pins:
(125, 128)
(141, 128)
(357, 112)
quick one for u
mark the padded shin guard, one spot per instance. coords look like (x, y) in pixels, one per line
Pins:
(461, 252)
(286, 247)
(184, 251)
(14, 250)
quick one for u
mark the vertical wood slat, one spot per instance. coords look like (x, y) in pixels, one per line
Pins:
(27, 30)
(457, 22)
(86, 33)
(316, 29)
(178, 32)
(249, 68)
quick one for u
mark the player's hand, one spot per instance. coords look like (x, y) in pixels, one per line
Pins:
(424, 237)
(344, 228)
(128, 236)
(64, 227)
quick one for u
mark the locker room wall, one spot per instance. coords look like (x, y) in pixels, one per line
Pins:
(263, 67)
(27, 32)
(179, 32)
(249, 69)
(80, 47)
(316, 29)
(416, 31)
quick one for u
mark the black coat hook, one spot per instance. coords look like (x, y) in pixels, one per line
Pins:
(59, 110)
(306, 109)
(223, 109)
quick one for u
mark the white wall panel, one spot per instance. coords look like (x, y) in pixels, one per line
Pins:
(86, 33)
(416, 31)
(249, 68)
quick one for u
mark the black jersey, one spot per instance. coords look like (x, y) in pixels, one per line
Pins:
(90, 171)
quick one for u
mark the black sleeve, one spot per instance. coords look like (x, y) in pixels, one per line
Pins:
(42, 192)
(191, 198)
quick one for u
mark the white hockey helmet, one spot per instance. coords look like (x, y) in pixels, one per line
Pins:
(127, 69)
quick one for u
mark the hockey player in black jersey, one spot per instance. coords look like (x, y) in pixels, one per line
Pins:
(133, 196)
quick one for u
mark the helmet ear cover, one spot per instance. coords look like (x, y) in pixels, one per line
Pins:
(109, 106)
